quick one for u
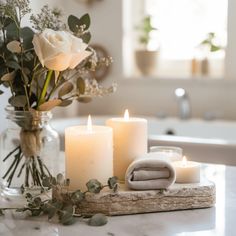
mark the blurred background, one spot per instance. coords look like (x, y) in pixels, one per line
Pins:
(186, 44)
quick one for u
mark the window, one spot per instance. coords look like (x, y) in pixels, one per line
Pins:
(182, 26)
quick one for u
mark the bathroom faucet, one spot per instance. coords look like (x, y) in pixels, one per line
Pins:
(184, 104)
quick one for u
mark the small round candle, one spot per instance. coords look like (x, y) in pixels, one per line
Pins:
(130, 141)
(89, 154)
(187, 171)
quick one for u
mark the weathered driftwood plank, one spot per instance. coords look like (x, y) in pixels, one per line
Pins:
(126, 202)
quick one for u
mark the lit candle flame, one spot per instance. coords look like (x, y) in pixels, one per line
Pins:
(184, 161)
(126, 115)
(89, 124)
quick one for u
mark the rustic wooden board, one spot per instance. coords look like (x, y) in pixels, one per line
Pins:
(127, 202)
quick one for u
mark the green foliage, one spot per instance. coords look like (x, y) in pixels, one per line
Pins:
(113, 183)
(98, 220)
(18, 101)
(94, 186)
(78, 25)
(65, 89)
(209, 41)
(63, 203)
(145, 28)
(80, 85)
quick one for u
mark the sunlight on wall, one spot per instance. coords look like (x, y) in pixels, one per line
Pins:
(184, 24)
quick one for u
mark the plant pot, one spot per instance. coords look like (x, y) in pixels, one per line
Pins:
(29, 150)
(146, 61)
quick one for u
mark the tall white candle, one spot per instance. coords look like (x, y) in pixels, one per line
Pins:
(130, 141)
(89, 154)
(187, 171)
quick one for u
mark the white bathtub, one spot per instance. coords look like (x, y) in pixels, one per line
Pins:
(206, 141)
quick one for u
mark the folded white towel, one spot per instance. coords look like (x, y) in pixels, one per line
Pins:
(146, 174)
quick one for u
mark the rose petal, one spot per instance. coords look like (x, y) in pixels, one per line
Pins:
(59, 63)
(78, 58)
(37, 48)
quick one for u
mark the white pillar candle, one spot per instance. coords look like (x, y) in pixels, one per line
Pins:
(130, 141)
(187, 171)
(89, 154)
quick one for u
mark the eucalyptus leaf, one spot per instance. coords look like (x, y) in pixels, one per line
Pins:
(73, 23)
(14, 46)
(36, 212)
(13, 65)
(7, 21)
(67, 218)
(85, 20)
(46, 182)
(49, 105)
(28, 196)
(112, 182)
(27, 34)
(9, 76)
(77, 196)
(60, 179)
(84, 99)
(94, 186)
(86, 37)
(80, 85)
(65, 103)
(18, 101)
(51, 211)
(69, 209)
(65, 89)
(98, 220)
(12, 31)
(37, 201)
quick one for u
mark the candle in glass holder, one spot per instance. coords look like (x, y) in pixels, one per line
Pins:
(89, 154)
(168, 153)
(187, 171)
(130, 141)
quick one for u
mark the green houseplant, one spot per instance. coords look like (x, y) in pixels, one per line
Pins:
(146, 59)
(208, 46)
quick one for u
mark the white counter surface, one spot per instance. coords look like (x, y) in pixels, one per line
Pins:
(218, 220)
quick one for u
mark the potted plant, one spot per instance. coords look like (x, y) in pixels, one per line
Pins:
(146, 59)
(208, 45)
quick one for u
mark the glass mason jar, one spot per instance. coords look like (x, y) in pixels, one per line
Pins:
(29, 151)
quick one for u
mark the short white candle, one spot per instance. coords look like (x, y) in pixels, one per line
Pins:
(187, 171)
(130, 141)
(89, 154)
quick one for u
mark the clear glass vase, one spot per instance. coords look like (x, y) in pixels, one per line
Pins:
(29, 151)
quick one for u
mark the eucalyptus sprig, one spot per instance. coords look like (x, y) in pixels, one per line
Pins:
(64, 203)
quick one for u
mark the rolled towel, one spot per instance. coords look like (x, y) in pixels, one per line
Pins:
(148, 174)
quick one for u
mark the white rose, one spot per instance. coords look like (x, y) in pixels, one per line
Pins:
(59, 50)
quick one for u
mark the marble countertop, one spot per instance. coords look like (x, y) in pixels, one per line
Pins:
(218, 220)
